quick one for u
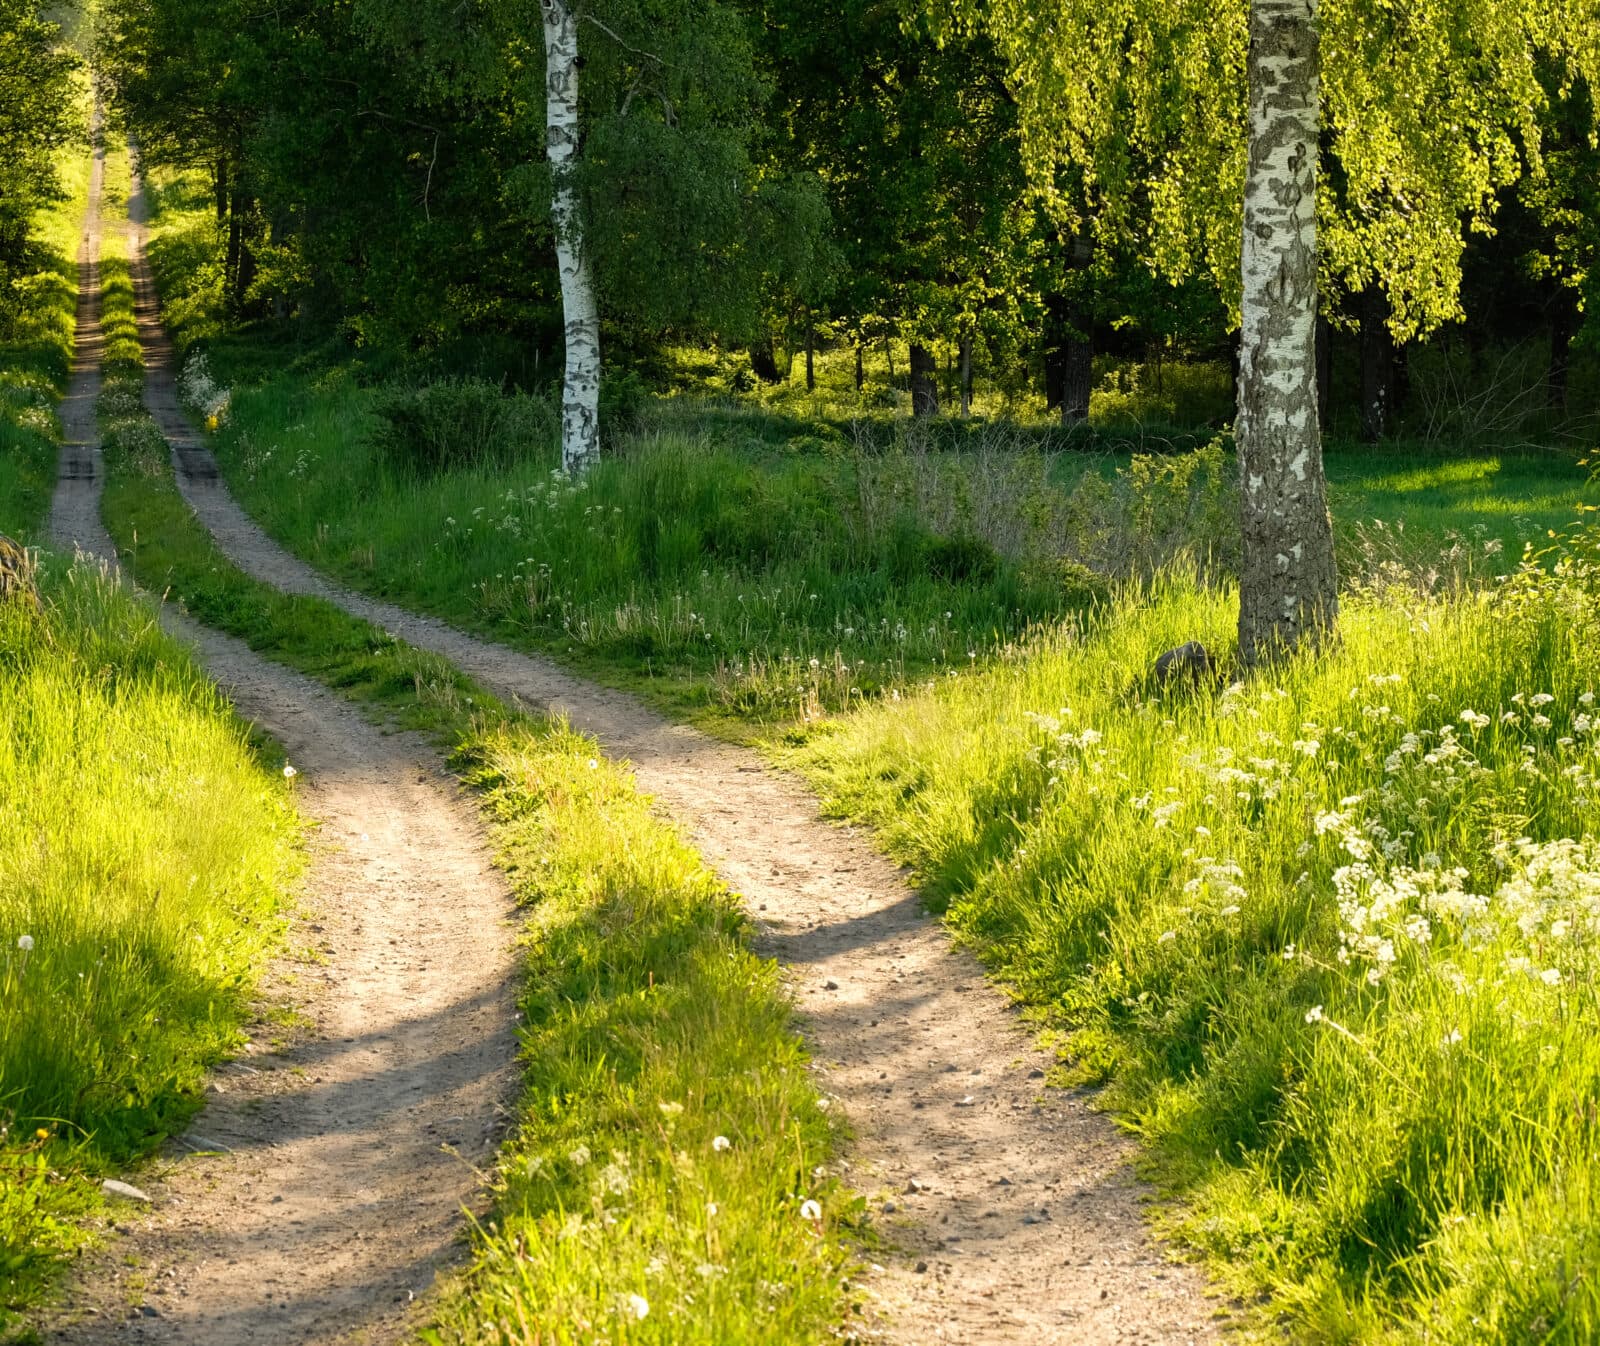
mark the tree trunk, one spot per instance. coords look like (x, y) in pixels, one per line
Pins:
(764, 360)
(1561, 325)
(861, 369)
(220, 180)
(1288, 584)
(811, 357)
(924, 389)
(1324, 369)
(966, 375)
(1077, 374)
(580, 388)
(888, 354)
(232, 256)
(1377, 365)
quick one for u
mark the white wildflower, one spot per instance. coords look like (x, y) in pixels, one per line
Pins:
(810, 1210)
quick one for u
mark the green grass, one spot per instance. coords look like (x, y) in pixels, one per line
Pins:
(650, 1028)
(1388, 1142)
(145, 931)
(775, 586)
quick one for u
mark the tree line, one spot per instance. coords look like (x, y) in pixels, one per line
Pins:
(1011, 179)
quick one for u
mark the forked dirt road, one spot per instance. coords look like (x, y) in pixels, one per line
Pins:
(329, 1199)
(1011, 1207)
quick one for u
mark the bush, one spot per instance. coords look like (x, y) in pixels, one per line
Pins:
(461, 423)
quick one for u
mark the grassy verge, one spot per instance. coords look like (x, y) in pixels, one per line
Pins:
(670, 1137)
(1330, 934)
(127, 937)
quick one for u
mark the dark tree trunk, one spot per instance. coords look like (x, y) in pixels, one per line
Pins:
(1324, 369)
(811, 357)
(861, 369)
(232, 257)
(1068, 361)
(1561, 329)
(1077, 378)
(1399, 383)
(966, 375)
(924, 385)
(1054, 365)
(220, 180)
(1377, 365)
(765, 361)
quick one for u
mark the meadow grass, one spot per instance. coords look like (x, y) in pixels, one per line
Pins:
(670, 1137)
(773, 587)
(1329, 933)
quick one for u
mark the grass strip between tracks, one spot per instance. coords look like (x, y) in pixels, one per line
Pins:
(667, 1177)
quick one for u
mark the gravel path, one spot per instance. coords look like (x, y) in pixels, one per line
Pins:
(328, 1200)
(1011, 1210)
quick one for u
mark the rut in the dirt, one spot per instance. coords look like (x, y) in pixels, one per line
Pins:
(330, 1201)
(1012, 1207)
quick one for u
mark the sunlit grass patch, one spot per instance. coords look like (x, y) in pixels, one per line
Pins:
(658, 1185)
(1329, 933)
(128, 937)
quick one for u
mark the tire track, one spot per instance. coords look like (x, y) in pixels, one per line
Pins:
(330, 1202)
(1013, 1209)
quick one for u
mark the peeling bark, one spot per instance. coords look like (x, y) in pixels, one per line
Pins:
(1288, 584)
(580, 389)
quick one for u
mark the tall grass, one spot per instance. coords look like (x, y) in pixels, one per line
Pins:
(128, 936)
(1330, 932)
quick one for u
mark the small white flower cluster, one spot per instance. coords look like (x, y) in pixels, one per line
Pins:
(201, 392)
(1546, 908)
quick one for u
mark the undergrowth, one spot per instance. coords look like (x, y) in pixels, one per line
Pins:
(668, 1177)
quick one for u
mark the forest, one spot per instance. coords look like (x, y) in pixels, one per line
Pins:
(709, 671)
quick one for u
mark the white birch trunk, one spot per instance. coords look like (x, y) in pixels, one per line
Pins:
(580, 390)
(1288, 585)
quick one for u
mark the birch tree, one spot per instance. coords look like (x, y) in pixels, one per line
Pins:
(1288, 585)
(580, 311)
(1192, 129)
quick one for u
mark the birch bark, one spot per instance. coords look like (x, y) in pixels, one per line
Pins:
(580, 389)
(1288, 585)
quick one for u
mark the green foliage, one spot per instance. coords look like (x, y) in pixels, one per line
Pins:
(1138, 104)
(649, 1026)
(40, 114)
(1359, 1093)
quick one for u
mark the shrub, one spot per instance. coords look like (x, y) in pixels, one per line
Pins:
(461, 423)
